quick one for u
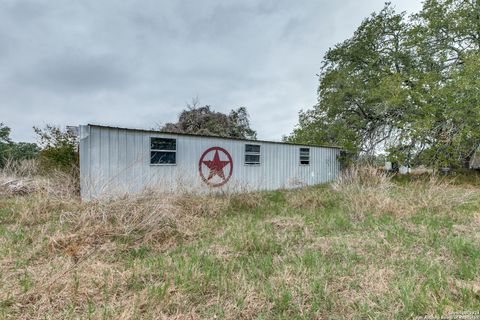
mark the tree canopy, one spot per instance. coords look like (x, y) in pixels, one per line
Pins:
(4, 133)
(59, 149)
(15, 151)
(205, 121)
(408, 86)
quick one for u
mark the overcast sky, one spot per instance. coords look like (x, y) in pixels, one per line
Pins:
(137, 63)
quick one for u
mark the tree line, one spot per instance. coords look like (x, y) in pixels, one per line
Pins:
(57, 149)
(406, 86)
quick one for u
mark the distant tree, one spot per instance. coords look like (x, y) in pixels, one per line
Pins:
(205, 121)
(4, 133)
(4, 143)
(59, 148)
(14, 150)
(24, 150)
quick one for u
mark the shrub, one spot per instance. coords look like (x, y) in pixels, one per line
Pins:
(59, 149)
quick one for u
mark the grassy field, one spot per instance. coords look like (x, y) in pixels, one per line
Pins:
(364, 247)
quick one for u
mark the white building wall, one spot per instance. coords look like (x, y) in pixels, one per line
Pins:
(114, 161)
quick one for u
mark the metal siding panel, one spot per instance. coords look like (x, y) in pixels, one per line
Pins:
(133, 185)
(105, 160)
(122, 160)
(139, 161)
(290, 166)
(129, 159)
(94, 159)
(104, 157)
(89, 164)
(146, 160)
(84, 153)
(113, 156)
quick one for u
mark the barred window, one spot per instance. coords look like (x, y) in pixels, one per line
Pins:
(252, 154)
(163, 151)
(305, 156)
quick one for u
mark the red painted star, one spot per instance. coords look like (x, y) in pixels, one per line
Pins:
(216, 166)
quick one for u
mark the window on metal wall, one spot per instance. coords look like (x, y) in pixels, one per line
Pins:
(252, 154)
(305, 156)
(163, 151)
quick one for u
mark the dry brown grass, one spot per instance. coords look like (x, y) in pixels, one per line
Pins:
(23, 168)
(308, 199)
(68, 238)
(367, 189)
(23, 177)
(165, 256)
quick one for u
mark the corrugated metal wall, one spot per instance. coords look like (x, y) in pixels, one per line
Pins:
(114, 161)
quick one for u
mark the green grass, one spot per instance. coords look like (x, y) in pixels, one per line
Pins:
(274, 260)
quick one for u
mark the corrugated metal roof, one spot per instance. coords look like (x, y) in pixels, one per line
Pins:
(211, 136)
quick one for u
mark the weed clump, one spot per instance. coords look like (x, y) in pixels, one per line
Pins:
(367, 189)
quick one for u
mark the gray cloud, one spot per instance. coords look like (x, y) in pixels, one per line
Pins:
(136, 63)
(76, 73)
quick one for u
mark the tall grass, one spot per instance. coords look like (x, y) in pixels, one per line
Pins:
(367, 189)
(24, 177)
(146, 217)
(23, 168)
(305, 253)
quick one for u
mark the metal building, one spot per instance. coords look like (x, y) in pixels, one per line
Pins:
(115, 161)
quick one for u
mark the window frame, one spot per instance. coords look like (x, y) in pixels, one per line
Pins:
(163, 150)
(252, 153)
(300, 156)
